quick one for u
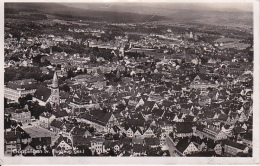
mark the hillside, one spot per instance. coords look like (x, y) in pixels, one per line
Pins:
(65, 12)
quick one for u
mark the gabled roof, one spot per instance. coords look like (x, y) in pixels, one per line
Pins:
(42, 93)
(40, 141)
(26, 84)
(79, 131)
(234, 144)
(182, 145)
(60, 113)
(62, 138)
(211, 131)
(152, 141)
(223, 117)
(184, 128)
(211, 143)
(56, 123)
(99, 116)
(46, 115)
(12, 136)
(188, 118)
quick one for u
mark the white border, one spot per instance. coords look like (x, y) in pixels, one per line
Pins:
(144, 160)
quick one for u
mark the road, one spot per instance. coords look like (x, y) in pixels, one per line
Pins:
(171, 146)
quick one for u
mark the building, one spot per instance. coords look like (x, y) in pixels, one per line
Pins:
(21, 116)
(55, 96)
(232, 148)
(185, 147)
(62, 146)
(45, 119)
(97, 145)
(201, 82)
(44, 95)
(19, 88)
(13, 140)
(211, 133)
(100, 120)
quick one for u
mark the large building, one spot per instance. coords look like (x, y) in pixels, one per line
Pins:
(44, 95)
(19, 88)
(21, 115)
(55, 95)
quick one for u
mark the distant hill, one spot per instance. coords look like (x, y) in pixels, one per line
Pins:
(66, 12)
(190, 13)
(206, 13)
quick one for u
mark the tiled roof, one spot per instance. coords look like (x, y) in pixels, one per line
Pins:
(42, 93)
(26, 84)
(182, 144)
(62, 138)
(46, 115)
(234, 144)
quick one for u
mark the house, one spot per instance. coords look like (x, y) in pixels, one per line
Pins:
(13, 140)
(56, 125)
(183, 130)
(21, 115)
(79, 141)
(138, 140)
(232, 148)
(19, 88)
(45, 119)
(101, 120)
(38, 146)
(97, 146)
(42, 95)
(201, 82)
(152, 142)
(137, 132)
(81, 131)
(112, 145)
(129, 132)
(211, 133)
(62, 146)
(247, 139)
(184, 147)
(214, 145)
(115, 130)
(139, 150)
(149, 133)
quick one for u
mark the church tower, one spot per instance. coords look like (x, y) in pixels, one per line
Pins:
(122, 50)
(55, 96)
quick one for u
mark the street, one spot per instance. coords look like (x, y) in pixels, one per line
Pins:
(171, 146)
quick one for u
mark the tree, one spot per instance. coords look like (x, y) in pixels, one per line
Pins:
(70, 74)
(48, 107)
(24, 100)
(36, 109)
(65, 87)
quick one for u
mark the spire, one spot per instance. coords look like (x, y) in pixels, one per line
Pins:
(55, 80)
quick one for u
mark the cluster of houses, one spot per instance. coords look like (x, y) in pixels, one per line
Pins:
(141, 106)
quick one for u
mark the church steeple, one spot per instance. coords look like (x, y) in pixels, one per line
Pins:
(55, 95)
(55, 81)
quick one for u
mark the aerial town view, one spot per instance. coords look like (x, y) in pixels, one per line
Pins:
(127, 79)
